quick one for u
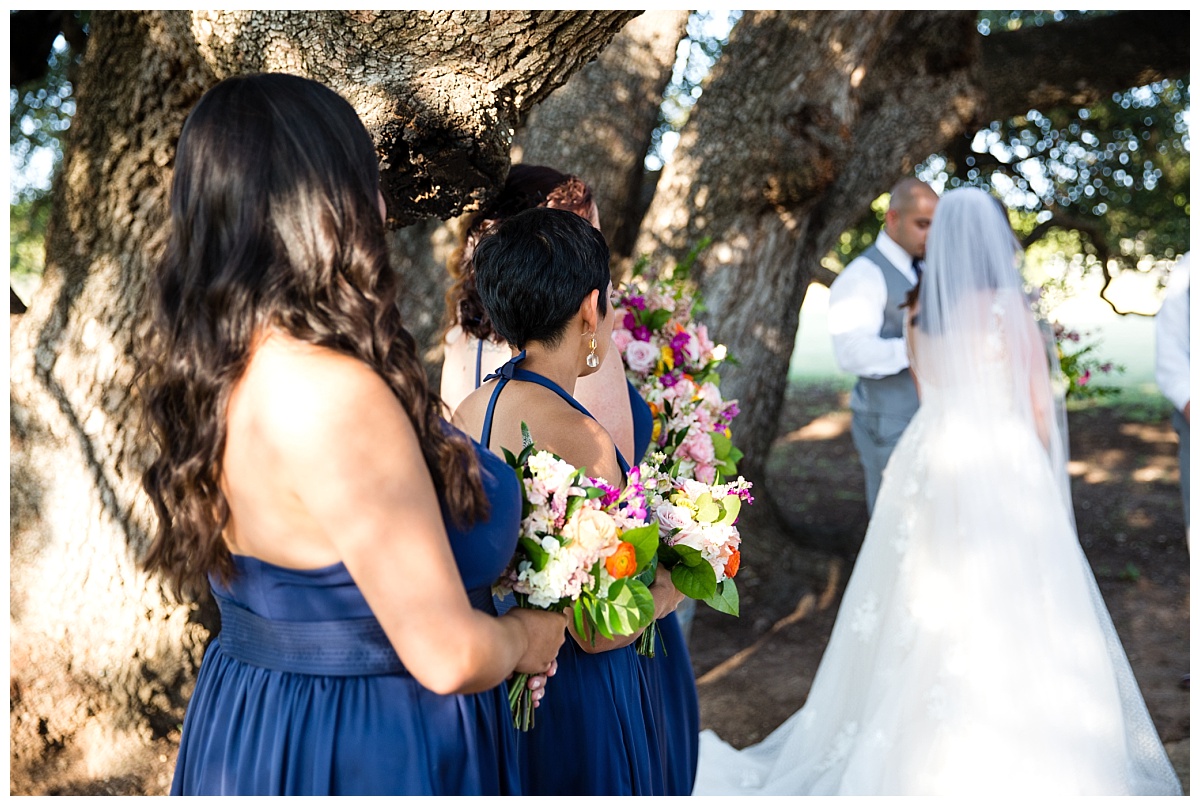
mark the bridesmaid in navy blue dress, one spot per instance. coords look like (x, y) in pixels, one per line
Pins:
(304, 473)
(598, 731)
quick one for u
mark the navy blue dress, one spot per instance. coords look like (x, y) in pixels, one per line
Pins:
(597, 729)
(672, 681)
(302, 694)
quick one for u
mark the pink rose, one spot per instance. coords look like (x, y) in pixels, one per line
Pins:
(621, 338)
(640, 356)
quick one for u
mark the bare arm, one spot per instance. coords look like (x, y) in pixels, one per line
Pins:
(357, 468)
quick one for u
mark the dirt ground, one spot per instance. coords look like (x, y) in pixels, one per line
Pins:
(755, 671)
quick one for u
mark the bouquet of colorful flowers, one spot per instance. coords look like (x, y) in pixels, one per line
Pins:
(583, 542)
(699, 539)
(672, 361)
(1080, 367)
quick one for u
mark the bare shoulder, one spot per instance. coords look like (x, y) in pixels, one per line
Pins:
(580, 440)
(469, 414)
(303, 389)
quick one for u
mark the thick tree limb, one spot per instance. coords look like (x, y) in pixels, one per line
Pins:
(1080, 61)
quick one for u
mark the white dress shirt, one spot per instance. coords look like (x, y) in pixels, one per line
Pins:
(856, 301)
(1172, 333)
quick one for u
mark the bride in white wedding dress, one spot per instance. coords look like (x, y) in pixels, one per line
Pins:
(973, 653)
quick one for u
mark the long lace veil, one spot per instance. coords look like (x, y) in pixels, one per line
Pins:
(975, 341)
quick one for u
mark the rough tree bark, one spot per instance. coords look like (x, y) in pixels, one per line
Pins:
(102, 661)
(598, 126)
(809, 116)
(773, 133)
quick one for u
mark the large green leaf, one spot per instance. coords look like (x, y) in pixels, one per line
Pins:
(722, 445)
(629, 608)
(645, 542)
(695, 581)
(725, 598)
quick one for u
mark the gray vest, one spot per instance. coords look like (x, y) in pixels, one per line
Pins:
(894, 395)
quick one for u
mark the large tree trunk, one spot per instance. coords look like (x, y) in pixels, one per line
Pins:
(102, 662)
(599, 124)
(802, 109)
(801, 125)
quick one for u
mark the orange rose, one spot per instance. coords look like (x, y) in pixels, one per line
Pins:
(733, 564)
(622, 562)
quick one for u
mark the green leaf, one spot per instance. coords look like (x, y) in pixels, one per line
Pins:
(512, 460)
(580, 621)
(725, 598)
(722, 445)
(629, 607)
(597, 611)
(645, 542)
(684, 267)
(573, 505)
(538, 556)
(731, 505)
(687, 555)
(695, 581)
(658, 319)
(646, 575)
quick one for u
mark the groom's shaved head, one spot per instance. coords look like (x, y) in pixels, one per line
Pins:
(909, 214)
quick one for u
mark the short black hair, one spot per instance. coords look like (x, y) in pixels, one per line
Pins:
(535, 269)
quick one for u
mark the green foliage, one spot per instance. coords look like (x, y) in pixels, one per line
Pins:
(1082, 369)
(26, 239)
(1120, 167)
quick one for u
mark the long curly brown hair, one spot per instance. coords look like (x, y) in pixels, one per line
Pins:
(526, 187)
(274, 223)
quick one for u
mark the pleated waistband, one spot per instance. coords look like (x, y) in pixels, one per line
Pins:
(342, 648)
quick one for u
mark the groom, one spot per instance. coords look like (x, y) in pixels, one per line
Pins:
(867, 326)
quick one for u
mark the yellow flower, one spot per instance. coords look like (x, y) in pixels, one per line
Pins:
(668, 357)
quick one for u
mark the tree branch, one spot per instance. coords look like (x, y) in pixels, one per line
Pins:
(1081, 61)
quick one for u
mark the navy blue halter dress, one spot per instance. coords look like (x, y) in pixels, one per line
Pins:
(672, 681)
(302, 694)
(597, 729)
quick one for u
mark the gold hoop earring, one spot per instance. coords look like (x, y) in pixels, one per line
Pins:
(592, 360)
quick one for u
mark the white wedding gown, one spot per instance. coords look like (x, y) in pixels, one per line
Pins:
(973, 653)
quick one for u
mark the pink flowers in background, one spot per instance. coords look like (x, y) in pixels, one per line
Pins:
(673, 362)
(1079, 364)
(582, 543)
